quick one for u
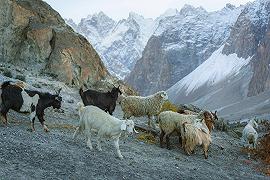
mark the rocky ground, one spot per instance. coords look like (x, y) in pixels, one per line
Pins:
(55, 155)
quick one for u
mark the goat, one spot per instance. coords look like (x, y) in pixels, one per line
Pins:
(105, 101)
(92, 117)
(195, 134)
(249, 134)
(27, 101)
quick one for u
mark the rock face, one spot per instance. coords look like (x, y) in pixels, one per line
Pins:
(120, 44)
(235, 80)
(250, 38)
(179, 45)
(34, 36)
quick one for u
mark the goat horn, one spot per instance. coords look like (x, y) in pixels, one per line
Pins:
(137, 132)
(58, 92)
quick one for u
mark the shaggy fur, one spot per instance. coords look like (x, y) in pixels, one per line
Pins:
(194, 136)
(170, 122)
(209, 120)
(138, 106)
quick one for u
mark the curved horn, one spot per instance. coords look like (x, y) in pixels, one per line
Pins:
(137, 132)
(58, 92)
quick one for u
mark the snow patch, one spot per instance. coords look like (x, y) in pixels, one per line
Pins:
(215, 69)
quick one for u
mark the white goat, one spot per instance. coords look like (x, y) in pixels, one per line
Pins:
(107, 126)
(249, 134)
(138, 106)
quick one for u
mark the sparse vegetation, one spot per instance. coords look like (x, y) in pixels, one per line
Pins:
(36, 85)
(168, 106)
(20, 77)
(147, 138)
(7, 73)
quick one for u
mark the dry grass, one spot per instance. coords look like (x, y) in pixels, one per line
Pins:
(168, 106)
(147, 138)
(262, 152)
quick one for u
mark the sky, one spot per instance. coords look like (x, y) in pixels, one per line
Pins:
(119, 9)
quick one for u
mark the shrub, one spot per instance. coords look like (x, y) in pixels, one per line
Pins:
(168, 106)
(7, 73)
(20, 77)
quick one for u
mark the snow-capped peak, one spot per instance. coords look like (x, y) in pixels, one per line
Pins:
(169, 12)
(188, 10)
(215, 69)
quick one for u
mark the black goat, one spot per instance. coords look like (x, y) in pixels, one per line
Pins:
(27, 101)
(105, 101)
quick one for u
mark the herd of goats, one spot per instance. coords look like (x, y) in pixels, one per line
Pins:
(96, 109)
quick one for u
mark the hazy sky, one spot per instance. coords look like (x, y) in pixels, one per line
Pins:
(118, 9)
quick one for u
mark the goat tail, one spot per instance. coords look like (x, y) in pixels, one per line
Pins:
(5, 84)
(80, 106)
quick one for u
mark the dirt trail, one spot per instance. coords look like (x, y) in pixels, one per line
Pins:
(55, 155)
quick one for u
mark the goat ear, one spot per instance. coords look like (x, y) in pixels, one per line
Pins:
(58, 92)
(123, 126)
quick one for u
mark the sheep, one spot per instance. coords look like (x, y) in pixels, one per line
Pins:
(170, 122)
(196, 134)
(249, 134)
(107, 126)
(138, 106)
(105, 101)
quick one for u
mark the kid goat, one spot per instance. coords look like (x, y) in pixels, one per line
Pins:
(27, 101)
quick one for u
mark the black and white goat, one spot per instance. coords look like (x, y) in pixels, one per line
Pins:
(27, 101)
(105, 101)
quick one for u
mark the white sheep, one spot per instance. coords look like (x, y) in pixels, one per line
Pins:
(195, 134)
(170, 122)
(249, 134)
(107, 126)
(138, 106)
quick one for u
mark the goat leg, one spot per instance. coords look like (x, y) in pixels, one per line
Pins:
(116, 143)
(161, 138)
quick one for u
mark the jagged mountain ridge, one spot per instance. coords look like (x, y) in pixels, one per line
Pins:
(240, 89)
(120, 44)
(179, 45)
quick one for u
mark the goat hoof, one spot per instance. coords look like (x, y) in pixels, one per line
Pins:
(121, 157)
(46, 130)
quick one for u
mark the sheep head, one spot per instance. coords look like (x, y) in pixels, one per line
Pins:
(163, 95)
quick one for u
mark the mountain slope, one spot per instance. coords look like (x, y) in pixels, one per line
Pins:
(184, 42)
(35, 37)
(240, 88)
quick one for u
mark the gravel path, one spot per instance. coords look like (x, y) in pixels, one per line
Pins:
(55, 155)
